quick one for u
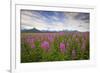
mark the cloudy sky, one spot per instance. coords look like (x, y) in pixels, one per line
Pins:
(54, 20)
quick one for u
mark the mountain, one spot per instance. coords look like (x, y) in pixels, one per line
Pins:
(30, 30)
(45, 31)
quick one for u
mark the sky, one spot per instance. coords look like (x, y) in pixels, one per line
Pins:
(54, 20)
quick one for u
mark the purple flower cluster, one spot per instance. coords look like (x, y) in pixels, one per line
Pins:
(61, 33)
(73, 54)
(50, 38)
(31, 40)
(45, 45)
(62, 47)
(32, 46)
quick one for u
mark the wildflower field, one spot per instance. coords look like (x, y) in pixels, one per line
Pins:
(55, 46)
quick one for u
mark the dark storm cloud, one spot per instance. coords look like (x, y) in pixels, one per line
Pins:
(83, 16)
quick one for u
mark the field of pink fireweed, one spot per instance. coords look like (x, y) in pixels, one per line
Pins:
(58, 46)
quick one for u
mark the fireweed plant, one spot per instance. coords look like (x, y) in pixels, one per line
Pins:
(59, 46)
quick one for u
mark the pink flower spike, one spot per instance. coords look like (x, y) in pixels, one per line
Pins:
(45, 45)
(62, 47)
(32, 46)
(61, 33)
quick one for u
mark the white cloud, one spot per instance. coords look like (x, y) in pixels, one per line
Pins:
(26, 27)
(34, 19)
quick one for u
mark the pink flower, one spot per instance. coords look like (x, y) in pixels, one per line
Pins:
(67, 44)
(74, 35)
(74, 54)
(30, 40)
(61, 33)
(50, 38)
(32, 46)
(62, 47)
(45, 45)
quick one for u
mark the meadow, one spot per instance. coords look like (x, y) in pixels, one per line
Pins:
(55, 46)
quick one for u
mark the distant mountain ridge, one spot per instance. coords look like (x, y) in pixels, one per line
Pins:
(44, 31)
(37, 30)
(30, 30)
